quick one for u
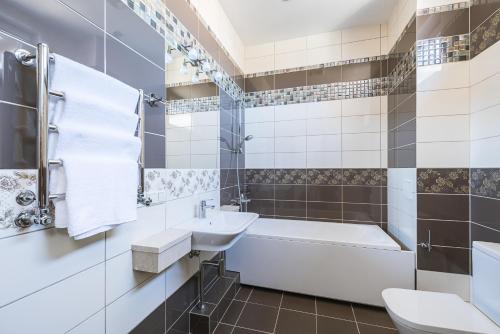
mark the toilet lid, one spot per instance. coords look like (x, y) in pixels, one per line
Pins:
(436, 312)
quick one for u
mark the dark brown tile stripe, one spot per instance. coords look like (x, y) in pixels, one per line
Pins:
(350, 195)
(441, 24)
(443, 181)
(444, 259)
(485, 211)
(481, 10)
(483, 233)
(443, 232)
(485, 35)
(443, 207)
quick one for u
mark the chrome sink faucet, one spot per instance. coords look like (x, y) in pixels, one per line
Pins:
(204, 206)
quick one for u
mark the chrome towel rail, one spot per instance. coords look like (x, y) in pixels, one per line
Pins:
(42, 214)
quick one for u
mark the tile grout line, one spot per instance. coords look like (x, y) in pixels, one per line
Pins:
(316, 313)
(242, 309)
(278, 315)
(355, 321)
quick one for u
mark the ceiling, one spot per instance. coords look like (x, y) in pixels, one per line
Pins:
(261, 21)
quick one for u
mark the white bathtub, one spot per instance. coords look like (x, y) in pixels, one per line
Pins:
(341, 261)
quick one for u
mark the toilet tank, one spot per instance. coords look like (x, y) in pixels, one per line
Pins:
(486, 278)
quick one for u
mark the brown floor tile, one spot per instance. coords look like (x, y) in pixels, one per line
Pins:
(334, 308)
(337, 326)
(238, 330)
(265, 297)
(367, 329)
(243, 293)
(223, 329)
(297, 302)
(258, 317)
(372, 315)
(233, 312)
(291, 322)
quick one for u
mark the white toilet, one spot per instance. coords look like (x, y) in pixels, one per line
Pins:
(416, 311)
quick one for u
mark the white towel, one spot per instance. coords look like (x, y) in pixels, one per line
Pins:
(97, 143)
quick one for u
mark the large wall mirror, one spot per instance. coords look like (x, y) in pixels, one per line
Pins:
(193, 113)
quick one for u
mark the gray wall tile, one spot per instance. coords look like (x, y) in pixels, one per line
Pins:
(155, 151)
(128, 27)
(52, 22)
(93, 10)
(17, 137)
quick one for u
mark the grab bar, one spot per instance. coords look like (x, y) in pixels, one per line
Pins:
(42, 214)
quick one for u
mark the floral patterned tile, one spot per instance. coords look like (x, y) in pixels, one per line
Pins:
(363, 176)
(291, 176)
(260, 176)
(187, 182)
(326, 176)
(155, 181)
(12, 182)
(443, 180)
(485, 182)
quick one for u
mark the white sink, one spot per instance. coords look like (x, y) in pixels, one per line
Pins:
(220, 230)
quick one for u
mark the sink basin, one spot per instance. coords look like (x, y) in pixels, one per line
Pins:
(220, 230)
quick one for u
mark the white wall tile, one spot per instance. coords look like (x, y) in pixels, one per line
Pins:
(260, 130)
(361, 49)
(383, 158)
(324, 159)
(290, 60)
(96, 324)
(361, 141)
(290, 144)
(259, 114)
(260, 145)
(58, 308)
(204, 132)
(443, 155)
(443, 102)
(291, 45)
(443, 76)
(288, 112)
(150, 220)
(485, 153)
(204, 118)
(360, 159)
(290, 128)
(130, 309)
(324, 39)
(259, 50)
(444, 282)
(384, 46)
(259, 64)
(443, 128)
(361, 106)
(178, 273)
(485, 123)
(35, 260)
(178, 161)
(485, 64)
(179, 211)
(121, 277)
(208, 146)
(200, 161)
(178, 134)
(324, 109)
(259, 160)
(178, 147)
(485, 93)
(359, 124)
(324, 126)
(290, 160)
(324, 143)
(325, 54)
(360, 33)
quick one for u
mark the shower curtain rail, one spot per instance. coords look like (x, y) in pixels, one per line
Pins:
(42, 213)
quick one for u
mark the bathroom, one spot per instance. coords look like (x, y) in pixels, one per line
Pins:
(245, 167)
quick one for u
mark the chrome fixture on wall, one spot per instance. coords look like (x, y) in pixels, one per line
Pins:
(42, 214)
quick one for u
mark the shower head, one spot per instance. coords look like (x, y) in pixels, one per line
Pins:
(248, 138)
(239, 149)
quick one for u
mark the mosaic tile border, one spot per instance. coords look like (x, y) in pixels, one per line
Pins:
(443, 8)
(318, 93)
(151, 11)
(202, 104)
(443, 50)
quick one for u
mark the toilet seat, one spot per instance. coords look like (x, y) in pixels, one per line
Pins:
(436, 312)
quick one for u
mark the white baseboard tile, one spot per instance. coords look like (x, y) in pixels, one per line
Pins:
(444, 282)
